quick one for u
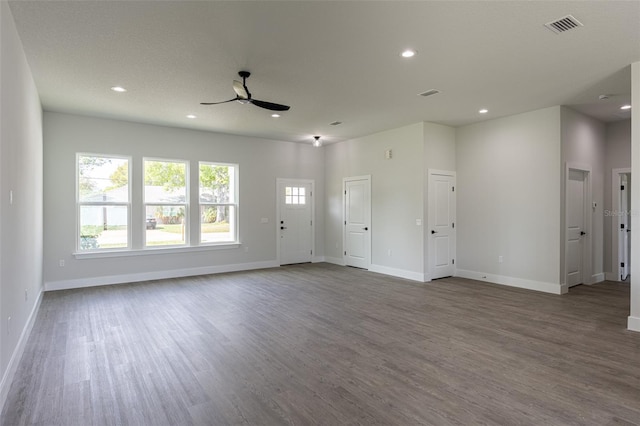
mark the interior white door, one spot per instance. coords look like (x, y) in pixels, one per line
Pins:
(442, 232)
(357, 222)
(576, 227)
(295, 225)
(624, 227)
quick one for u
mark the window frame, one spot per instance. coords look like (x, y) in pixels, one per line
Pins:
(234, 205)
(186, 204)
(80, 204)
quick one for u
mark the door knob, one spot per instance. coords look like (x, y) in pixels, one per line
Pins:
(434, 232)
(583, 233)
(365, 228)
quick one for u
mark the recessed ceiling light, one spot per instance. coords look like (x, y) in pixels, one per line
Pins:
(275, 115)
(409, 53)
(483, 111)
(118, 89)
(625, 107)
(191, 116)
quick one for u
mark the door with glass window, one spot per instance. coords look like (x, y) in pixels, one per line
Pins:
(295, 221)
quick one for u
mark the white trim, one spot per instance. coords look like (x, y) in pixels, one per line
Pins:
(335, 260)
(12, 367)
(156, 275)
(542, 286)
(312, 182)
(612, 276)
(633, 323)
(597, 278)
(317, 259)
(400, 273)
(153, 251)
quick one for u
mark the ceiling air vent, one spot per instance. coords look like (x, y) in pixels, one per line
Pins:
(429, 92)
(563, 24)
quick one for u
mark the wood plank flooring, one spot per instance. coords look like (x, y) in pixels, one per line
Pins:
(322, 344)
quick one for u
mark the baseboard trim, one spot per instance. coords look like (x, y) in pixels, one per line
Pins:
(611, 276)
(334, 260)
(156, 275)
(633, 323)
(597, 278)
(542, 286)
(317, 259)
(400, 273)
(12, 367)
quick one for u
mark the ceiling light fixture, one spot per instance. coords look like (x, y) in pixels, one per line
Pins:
(317, 143)
(483, 111)
(275, 115)
(625, 107)
(118, 89)
(408, 53)
(191, 116)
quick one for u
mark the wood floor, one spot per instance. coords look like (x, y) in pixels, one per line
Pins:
(322, 344)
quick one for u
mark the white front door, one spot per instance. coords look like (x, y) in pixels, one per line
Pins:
(624, 227)
(441, 226)
(357, 221)
(576, 231)
(295, 221)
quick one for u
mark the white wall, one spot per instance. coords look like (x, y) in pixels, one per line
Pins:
(583, 142)
(634, 316)
(617, 156)
(21, 174)
(260, 162)
(396, 197)
(508, 200)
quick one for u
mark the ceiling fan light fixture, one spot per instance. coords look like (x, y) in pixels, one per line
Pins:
(317, 142)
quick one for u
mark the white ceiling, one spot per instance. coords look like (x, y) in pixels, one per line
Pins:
(337, 60)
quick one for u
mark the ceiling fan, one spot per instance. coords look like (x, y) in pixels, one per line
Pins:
(244, 96)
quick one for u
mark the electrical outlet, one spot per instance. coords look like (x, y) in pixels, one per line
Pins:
(61, 263)
(500, 259)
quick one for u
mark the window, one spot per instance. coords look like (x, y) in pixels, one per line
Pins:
(103, 202)
(294, 195)
(166, 203)
(218, 202)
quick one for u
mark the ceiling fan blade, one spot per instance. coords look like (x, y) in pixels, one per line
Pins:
(269, 105)
(216, 103)
(240, 90)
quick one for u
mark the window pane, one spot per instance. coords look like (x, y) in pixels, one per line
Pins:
(165, 182)
(216, 183)
(103, 179)
(216, 224)
(165, 225)
(103, 227)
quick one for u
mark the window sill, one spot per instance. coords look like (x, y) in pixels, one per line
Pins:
(154, 251)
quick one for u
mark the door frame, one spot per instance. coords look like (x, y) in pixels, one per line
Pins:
(615, 207)
(294, 181)
(588, 218)
(344, 217)
(430, 259)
